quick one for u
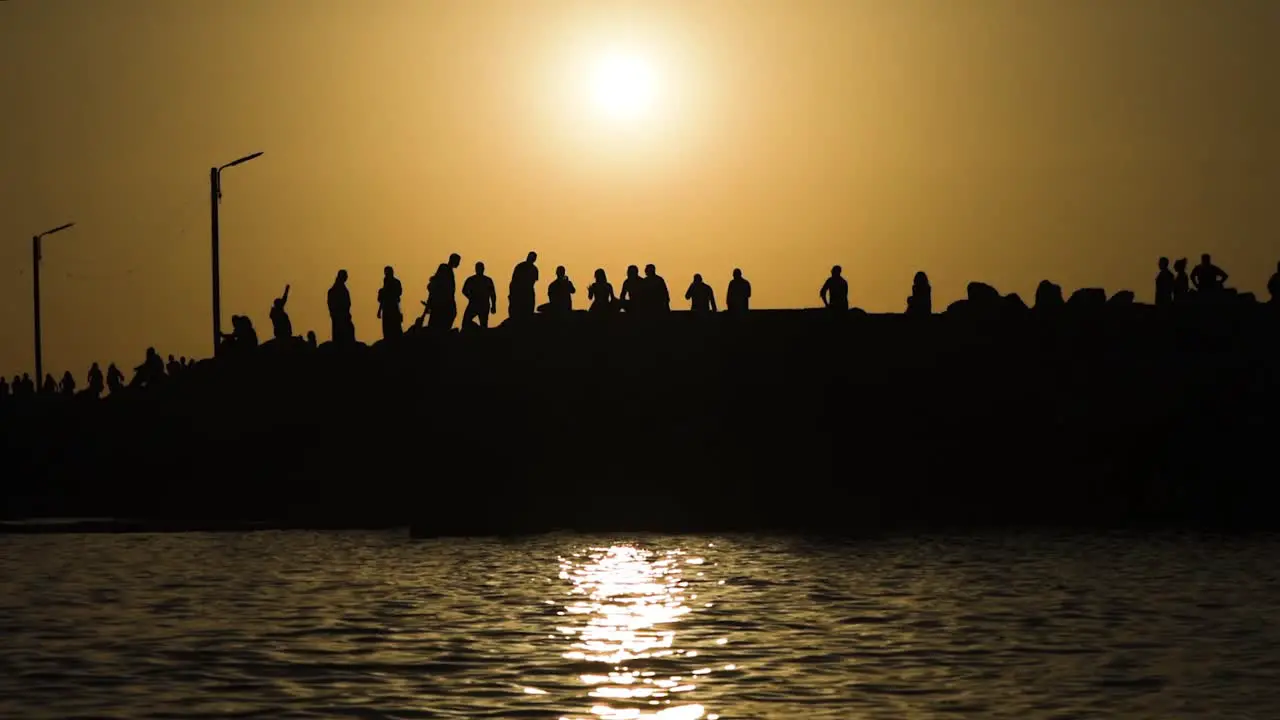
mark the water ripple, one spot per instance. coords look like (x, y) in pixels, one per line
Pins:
(373, 625)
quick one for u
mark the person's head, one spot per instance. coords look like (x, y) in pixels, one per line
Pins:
(1180, 264)
(151, 352)
(835, 271)
(737, 274)
(650, 270)
(560, 271)
(600, 276)
(342, 276)
(921, 279)
(533, 256)
(480, 268)
(697, 278)
(455, 260)
(633, 271)
(278, 303)
(1164, 263)
(171, 359)
(388, 271)
(1205, 259)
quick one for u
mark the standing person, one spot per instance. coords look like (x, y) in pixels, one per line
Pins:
(389, 305)
(339, 298)
(658, 298)
(281, 326)
(835, 291)
(702, 299)
(1164, 283)
(1181, 283)
(442, 305)
(738, 297)
(481, 296)
(521, 296)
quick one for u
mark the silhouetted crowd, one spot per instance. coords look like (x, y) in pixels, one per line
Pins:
(645, 295)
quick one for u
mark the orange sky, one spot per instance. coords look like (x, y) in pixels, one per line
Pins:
(994, 140)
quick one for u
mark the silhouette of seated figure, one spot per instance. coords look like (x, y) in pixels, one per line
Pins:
(1273, 286)
(656, 296)
(242, 337)
(835, 291)
(49, 386)
(95, 383)
(632, 296)
(702, 299)
(115, 379)
(151, 371)
(281, 326)
(559, 294)
(68, 384)
(1208, 278)
(920, 302)
(481, 296)
(738, 297)
(600, 293)
(1164, 284)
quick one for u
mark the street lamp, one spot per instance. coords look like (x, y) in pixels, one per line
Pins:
(215, 196)
(35, 285)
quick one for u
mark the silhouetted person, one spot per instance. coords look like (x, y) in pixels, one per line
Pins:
(151, 371)
(339, 298)
(281, 326)
(835, 291)
(243, 334)
(115, 379)
(920, 301)
(68, 385)
(1164, 284)
(560, 293)
(49, 386)
(1208, 278)
(389, 305)
(1181, 283)
(632, 296)
(600, 293)
(702, 299)
(481, 296)
(521, 297)
(738, 297)
(442, 303)
(173, 367)
(657, 298)
(95, 383)
(4, 389)
(311, 339)
(1273, 286)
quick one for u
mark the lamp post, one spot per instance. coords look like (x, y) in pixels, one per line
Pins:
(215, 196)
(35, 286)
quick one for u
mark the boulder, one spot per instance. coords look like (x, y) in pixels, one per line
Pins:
(1048, 296)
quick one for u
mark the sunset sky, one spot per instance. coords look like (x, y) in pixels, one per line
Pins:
(996, 140)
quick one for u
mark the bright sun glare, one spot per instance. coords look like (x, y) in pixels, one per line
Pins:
(624, 85)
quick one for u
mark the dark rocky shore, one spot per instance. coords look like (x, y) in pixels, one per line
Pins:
(1087, 415)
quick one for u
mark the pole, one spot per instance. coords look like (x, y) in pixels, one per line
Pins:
(217, 282)
(35, 275)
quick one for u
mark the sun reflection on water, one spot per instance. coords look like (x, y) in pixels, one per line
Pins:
(623, 608)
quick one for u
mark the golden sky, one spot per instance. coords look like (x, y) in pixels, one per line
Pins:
(995, 140)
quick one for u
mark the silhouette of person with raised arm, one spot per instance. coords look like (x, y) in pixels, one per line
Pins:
(600, 293)
(1164, 284)
(560, 294)
(339, 299)
(835, 291)
(1181, 283)
(521, 296)
(657, 297)
(1209, 279)
(738, 297)
(281, 326)
(632, 295)
(68, 385)
(482, 298)
(389, 304)
(115, 378)
(920, 302)
(95, 384)
(442, 303)
(702, 299)
(1273, 286)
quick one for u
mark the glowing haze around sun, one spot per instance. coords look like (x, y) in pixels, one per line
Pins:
(624, 85)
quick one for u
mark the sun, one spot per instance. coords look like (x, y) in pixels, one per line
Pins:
(624, 85)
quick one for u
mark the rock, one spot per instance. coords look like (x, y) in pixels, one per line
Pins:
(1048, 296)
(983, 294)
(1088, 298)
(1124, 297)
